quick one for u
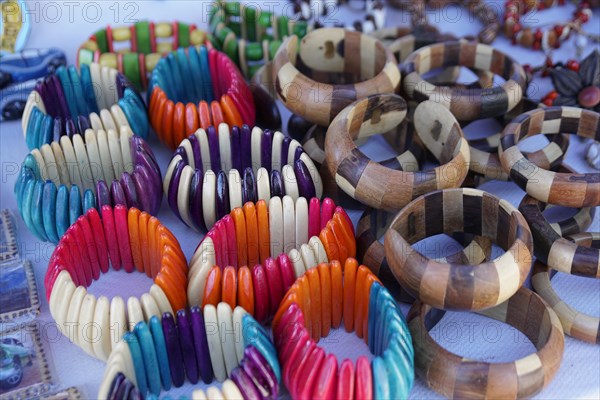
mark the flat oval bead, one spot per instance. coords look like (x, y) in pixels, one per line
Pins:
(213, 146)
(186, 341)
(173, 349)
(201, 345)
(161, 351)
(149, 355)
(138, 361)
(222, 193)
(117, 194)
(306, 186)
(249, 191)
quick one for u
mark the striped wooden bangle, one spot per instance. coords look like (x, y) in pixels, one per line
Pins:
(569, 190)
(454, 285)
(376, 185)
(457, 377)
(123, 238)
(576, 324)
(301, 72)
(555, 251)
(474, 103)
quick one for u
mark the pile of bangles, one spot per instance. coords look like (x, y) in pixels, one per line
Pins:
(280, 264)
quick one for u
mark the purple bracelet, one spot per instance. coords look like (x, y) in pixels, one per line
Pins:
(186, 340)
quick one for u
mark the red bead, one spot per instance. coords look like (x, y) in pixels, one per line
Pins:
(85, 264)
(261, 293)
(274, 284)
(538, 34)
(573, 65)
(345, 389)
(110, 233)
(297, 360)
(314, 217)
(516, 28)
(552, 95)
(291, 317)
(548, 102)
(326, 382)
(287, 271)
(559, 29)
(364, 379)
(327, 209)
(98, 232)
(90, 245)
(584, 18)
(231, 241)
(309, 372)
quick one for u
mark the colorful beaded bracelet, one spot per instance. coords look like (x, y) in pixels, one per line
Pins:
(379, 186)
(215, 342)
(455, 376)
(557, 252)
(212, 173)
(62, 180)
(457, 286)
(320, 300)
(69, 102)
(474, 103)
(192, 89)
(250, 36)
(301, 72)
(577, 324)
(252, 256)
(122, 238)
(565, 189)
(135, 50)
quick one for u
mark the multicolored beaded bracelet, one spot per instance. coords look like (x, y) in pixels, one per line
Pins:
(302, 74)
(135, 49)
(455, 376)
(576, 324)
(566, 189)
(192, 89)
(320, 300)
(252, 256)
(457, 286)
(377, 185)
(215, 342)
(212, 173)
(70, 102)
(124, 238)
(62, 180)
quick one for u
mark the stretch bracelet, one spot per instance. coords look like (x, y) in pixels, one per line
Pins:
(565, 189)
(377, 185)
(250, 257)
(473, 103)
(62, 180)
(459, 377)
(457, 286)
(192, 89)
(135, 49)
(213, 173)
(70, 102)
(558, 252)
(250, 36)
(215, 342)
(122, 238)
(576, 324)
(320, 300)
(301, 72)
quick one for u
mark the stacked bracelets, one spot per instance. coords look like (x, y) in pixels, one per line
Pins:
(146, 43)
(217, 170)
(252, 256)
(192, 89)
(320, 300)
(69, 102)
(123, 238)
(61, 180)
(213, 342)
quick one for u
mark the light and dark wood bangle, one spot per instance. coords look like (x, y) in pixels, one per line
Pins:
(565, 189)
(576, 324)
(216, 342)
(70, 102)
(303, 72)
(252, 256)
(556, 251)
(62, 180)
(457, 286)
(196, 88)
(135, 49)
(212, 173)
(381, 187)
(474, 103)
(323, 299)
(122, 238)
(457, 377)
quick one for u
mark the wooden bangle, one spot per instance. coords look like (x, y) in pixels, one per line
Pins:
(576, 324)
(300, 74)
(457, 377)
(62, 180)
(376, 185)
(307, 315)
(454, 285)
(570, 190)
(473, 103)
(555, 251)
(66, 103)
(87, 249)
(160, 353)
